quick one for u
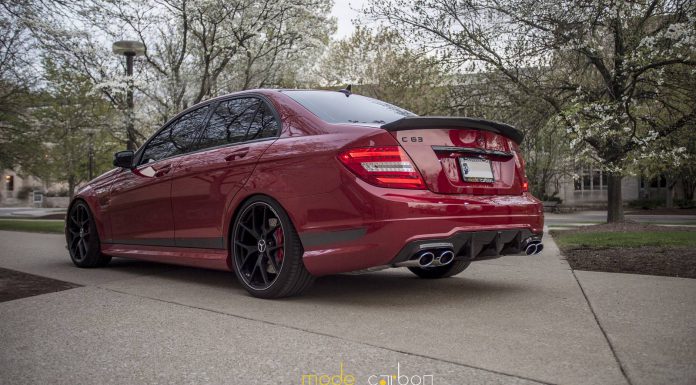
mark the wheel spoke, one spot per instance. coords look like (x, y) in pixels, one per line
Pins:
(270, 230)
(250, 231)
(262, 269)
(73, 243)
(246, 257)
(80, 248)
(263, 221)
(274, 248)
(253, 270)
(273, 261)
(248, 248)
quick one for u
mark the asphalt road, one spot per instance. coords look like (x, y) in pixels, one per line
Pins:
(507, 321)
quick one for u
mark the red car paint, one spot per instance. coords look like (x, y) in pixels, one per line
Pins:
(180, 210)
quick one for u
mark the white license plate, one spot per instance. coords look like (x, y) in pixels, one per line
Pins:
(476, 170)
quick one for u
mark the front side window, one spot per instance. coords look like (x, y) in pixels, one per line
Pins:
(177, 138)
(159, 147)
(186, 129)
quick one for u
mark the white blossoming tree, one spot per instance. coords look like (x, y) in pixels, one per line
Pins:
(196, 49)
(379, 64)
(605, 67)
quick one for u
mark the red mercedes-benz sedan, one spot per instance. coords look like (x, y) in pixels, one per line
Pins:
(282, 186)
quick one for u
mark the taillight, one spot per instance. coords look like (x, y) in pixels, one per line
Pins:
(519, 160)
(383, 166)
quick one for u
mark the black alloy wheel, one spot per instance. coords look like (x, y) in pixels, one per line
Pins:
(82, 238)
(267, 253)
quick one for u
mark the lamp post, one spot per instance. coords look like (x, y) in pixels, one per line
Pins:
(129, 49)
(90, 133)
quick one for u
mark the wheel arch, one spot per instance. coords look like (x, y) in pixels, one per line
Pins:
(235, 213)
(93, 206)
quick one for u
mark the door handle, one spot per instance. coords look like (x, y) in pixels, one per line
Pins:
(164, 170)
(238, 154)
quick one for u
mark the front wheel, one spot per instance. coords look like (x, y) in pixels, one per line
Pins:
(266, 251)
(454, 268)
(82, 238)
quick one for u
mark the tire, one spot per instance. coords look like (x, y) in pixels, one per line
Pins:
(454, 268)
(82, 238)
(267, 252)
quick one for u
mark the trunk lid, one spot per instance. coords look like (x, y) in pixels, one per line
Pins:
(462, 155)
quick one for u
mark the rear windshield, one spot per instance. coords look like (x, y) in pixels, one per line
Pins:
(336, 107)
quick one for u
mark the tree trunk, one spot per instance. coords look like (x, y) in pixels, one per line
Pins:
(669, 202)
(71, 186)
(615, 200)
(688, 186)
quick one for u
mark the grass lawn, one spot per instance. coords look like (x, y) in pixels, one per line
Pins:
(626, 239)
(33, 225)
(635, 248)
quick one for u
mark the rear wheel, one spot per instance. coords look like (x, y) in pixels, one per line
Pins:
(267, 253)
(454, 268)
(82, 238)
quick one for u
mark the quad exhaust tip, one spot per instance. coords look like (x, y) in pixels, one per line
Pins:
(446, 257)
(429, 258)
(534, 248)
(426, 259)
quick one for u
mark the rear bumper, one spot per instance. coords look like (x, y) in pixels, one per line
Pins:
(475, 245)
(380, 226)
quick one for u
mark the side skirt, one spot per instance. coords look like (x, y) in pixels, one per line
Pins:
(205, 258)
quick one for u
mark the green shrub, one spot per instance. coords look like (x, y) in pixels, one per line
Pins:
(684, 203)
(551, 198)
(646, 204)
(59, 193)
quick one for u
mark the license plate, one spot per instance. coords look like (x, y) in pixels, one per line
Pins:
(476, 170)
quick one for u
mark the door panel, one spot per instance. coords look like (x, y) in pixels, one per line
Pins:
(206, 181)
(140, 206)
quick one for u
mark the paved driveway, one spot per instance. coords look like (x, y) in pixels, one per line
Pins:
(511, 320)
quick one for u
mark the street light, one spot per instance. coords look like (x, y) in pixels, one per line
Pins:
(129, 49)
(90, 132)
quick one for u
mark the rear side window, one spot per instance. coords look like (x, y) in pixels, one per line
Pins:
(238, 120)
(177, 138)
(336, 107)
(264, 124)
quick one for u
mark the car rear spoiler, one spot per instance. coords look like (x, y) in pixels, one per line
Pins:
(425, 122)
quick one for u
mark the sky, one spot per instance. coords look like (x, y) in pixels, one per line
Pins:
(345, 11)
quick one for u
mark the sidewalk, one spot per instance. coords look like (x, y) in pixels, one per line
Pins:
(512, 320)
(581, 218)
(32, 213)
(649, 321)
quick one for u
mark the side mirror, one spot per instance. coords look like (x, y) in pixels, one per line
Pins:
(124, 159)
